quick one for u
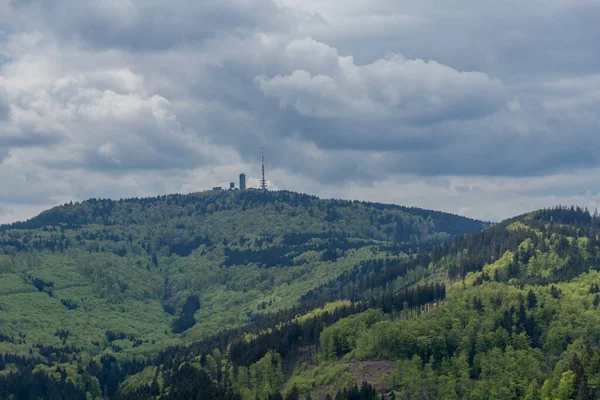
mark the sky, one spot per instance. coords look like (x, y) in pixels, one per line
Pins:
(483, 108)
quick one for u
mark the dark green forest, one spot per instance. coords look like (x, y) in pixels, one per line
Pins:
(279, 295)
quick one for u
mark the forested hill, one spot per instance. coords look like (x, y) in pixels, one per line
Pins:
(314, 300)
(296, 213)
(512, 312)
(91, 292)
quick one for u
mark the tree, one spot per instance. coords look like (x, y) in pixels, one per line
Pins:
(555, 292)
(583, 392)
(533, 391)
(293, 394)
(566, 386)
(186, 320)
(531, 300)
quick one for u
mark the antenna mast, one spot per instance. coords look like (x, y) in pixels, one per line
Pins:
(263, 181)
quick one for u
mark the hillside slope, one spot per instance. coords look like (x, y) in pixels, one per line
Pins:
(104, 281)
(511, 312)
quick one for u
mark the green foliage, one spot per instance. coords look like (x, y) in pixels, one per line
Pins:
(130, 266)
(137, 381)
(94, 290)
(496, 337)
(341, 337)
(327, 308)
(265, 376)
(332, 375)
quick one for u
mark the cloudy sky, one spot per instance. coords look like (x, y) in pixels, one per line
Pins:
(478, 107)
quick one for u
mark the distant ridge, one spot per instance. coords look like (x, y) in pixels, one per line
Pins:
(76, 213)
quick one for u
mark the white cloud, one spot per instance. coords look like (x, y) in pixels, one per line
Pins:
(393, 88)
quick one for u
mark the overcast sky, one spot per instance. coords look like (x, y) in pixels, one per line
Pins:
(476, 107)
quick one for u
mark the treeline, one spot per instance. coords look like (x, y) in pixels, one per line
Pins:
(12, 243)
(363, 277)
(102, 211)
(383, 222)
(285, 254)
(567, 215)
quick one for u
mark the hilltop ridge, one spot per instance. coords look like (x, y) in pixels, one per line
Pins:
(100, 211)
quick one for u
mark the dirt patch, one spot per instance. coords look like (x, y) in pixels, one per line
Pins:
(372, 372)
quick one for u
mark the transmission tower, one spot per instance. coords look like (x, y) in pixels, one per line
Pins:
(263, 181)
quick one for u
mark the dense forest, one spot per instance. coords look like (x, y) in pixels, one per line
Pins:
(286, 296)
(110, 299)
(510, 312)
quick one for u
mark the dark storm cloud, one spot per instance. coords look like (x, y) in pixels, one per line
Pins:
(510, 40)
(31, 140)
(4, 104)
(340, 94)
(140, 25)
(391, 120)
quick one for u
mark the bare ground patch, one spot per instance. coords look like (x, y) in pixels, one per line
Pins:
(372, 372)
